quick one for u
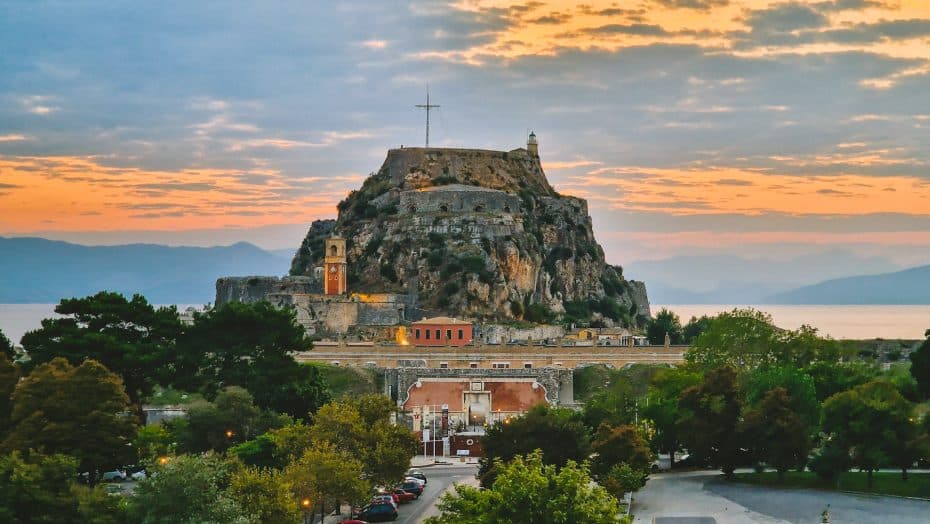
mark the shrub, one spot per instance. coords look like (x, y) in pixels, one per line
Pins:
(538, 314)
(388, 271)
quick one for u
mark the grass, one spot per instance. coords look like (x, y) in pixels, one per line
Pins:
(884, 483)
(349, 381)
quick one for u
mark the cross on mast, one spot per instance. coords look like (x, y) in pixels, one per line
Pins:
(427, 106)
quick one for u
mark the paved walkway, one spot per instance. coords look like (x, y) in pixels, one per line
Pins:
(706, 494)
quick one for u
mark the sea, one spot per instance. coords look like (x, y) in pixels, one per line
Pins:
(840, 322)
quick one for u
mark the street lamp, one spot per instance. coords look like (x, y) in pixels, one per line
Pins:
(307, 506)
(230, 433)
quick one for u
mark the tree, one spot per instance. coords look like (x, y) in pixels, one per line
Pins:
(665, 322)
(776, 433)
(187, 489)
(829, 461)
(130, 337)
(920, 367)
(327, 475)
(6, 347)
(661, 408)
(620, 445)
(873, 423)
(557, 433)
(710, 414)
(79, 411)
(530, 490)
(265, 495)
(799, 387)
(746, 339)
(37, 489)
(249, 345)
(361, 426)
(152, 442)
(623, 479)
(232, 418)
(9, 377)
(831, 378)
(694, 328)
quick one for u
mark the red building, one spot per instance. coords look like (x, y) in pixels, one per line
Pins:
(442, 331)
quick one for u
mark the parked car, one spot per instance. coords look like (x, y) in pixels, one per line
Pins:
(413, 487)
(378, 513)
(384, 499)
(417, 474)
(114, 490)
(404, 496)
(114, 476)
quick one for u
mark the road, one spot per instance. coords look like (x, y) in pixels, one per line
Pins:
(705, 494)
(440, 479)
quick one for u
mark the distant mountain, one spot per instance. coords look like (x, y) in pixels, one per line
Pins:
(729, 279)
(36, 270)
(911, 286)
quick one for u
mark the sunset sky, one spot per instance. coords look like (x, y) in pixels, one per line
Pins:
(691, 126)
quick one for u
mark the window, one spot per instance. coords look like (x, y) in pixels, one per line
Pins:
(527, 365)
(473, 365)
(418, 334)
(443, 365)
(557, 364)
(335, 363)
(438, 334)
(449, 334)
(427, 334)
(461, 334)
(500, 365)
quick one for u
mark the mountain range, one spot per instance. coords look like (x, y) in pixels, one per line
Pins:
(911, 286)
(36, 270)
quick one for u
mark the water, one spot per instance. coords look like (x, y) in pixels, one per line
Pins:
(856, 322)
(853, 322)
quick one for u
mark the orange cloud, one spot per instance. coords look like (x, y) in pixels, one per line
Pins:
(83, 194)
(716, 190)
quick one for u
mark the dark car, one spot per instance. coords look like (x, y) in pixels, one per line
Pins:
(411, 487)
(378, 513)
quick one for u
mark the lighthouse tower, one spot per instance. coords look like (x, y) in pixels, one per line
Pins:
(532, 146)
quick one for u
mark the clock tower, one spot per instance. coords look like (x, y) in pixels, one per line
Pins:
(334, 266)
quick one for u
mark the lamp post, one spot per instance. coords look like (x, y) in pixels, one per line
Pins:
(307, 505)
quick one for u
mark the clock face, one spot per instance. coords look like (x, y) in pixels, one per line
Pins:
(332, 269)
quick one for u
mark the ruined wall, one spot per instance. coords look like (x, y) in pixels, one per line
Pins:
(458, 198)
(257, 288)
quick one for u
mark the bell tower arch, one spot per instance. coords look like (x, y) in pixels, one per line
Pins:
(334, 266)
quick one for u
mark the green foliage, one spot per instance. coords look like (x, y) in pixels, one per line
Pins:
(623, 479)
(873, 422)
(618, 445)
(710, 414)
(96, 506)
(662, 408)
(746, 338)
(9, 377)
(798, 385)
(450, 270)
(259, 452)
(265, 494)
(558, 433)
(387, 271)
(6, 347)
(130, 337)
(436, 258)
(775, 433)
(151, 442)
(538, 314)
(829, 461)
(531, 490)
(516, 308)
(887, 483)
(189, 489)
(232, 418)
(920, 368)
(326, 474)
(37, 489)
(372, 246)
(249, 345)
(79, 411)
(831, 378)
(694, 328)
(344, 381)
(665, 322)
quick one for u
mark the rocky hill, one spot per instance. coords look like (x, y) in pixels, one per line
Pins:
(477, 234)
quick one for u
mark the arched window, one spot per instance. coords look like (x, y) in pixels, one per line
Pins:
(506, 209)
(333, 250)
(479, 208)
(444, 208)
(412, 208)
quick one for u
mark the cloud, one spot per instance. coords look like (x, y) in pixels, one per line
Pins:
(38, 105)
(15, 137)
(693, 4)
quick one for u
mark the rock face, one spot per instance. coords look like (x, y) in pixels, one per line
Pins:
(476, 234)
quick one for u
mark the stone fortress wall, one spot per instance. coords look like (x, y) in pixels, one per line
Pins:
(458, 198)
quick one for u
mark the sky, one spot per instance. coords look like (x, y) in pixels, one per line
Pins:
(745, 127)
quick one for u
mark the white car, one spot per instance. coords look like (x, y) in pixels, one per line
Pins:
(114, 476)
